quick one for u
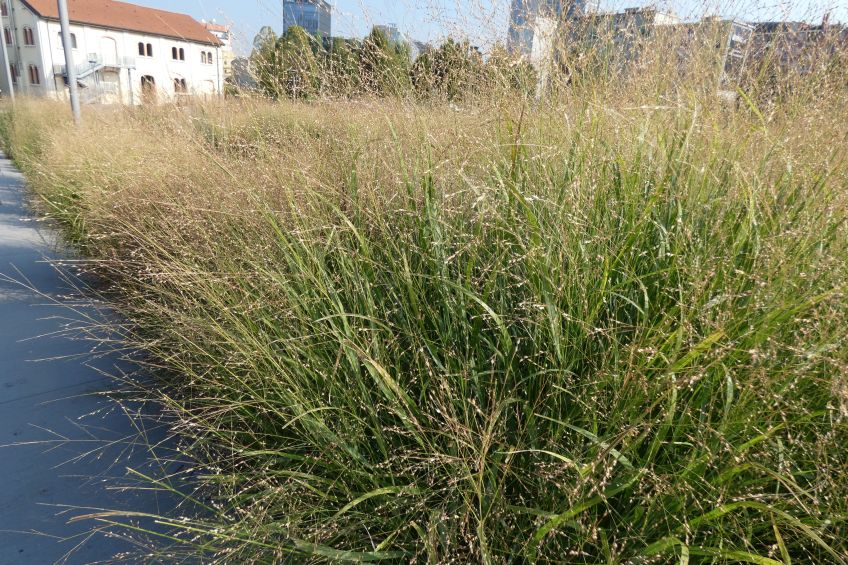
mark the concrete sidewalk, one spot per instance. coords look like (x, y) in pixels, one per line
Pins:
(62, 442)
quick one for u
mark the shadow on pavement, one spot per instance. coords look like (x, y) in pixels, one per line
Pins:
(68, 448)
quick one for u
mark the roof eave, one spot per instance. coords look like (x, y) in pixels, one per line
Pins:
(213, 41)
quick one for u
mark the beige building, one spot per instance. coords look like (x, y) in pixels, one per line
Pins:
(225, 36)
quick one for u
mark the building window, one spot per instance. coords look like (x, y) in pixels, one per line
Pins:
(209, 57)
(180, 86)
(7, 35)
(13, 70)
(174, 53)
(73, 41)
(203, 57)
(29, 37)
(182, 54)
(4, 8)
(148, 89)
(34, 76)
(149, 50)
(141, 48)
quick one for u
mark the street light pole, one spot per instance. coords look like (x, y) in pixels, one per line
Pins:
(70, 68)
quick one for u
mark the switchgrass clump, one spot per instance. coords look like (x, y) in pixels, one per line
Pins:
(574, 331)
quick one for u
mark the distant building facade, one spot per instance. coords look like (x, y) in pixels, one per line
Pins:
(621, 39)
(225, 36)
(418, 48)
(798, 46)
(315, 16)
(617, 35)
(391, 32)
(528, 16)
(123, 53)
(243, 76)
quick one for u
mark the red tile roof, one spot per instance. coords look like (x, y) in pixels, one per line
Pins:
(120, 15)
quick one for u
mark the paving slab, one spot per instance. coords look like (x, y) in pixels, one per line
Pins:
(65, 446)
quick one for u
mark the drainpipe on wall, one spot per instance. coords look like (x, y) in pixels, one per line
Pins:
(130, 89)
(218, 64)
(13, 21)
(52, 62)
(7, 71)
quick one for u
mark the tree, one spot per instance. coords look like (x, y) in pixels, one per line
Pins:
(505, 72)
(423, 74)
(384, 65)
(265, 62)
(299, 64)
(341, 76)
(265, 39)
(286, 66)
(452, 71)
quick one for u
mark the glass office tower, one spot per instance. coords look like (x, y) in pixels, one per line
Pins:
(315, 16)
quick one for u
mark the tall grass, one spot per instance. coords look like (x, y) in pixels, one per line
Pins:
(595, 329)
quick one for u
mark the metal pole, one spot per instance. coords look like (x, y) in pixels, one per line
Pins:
(218, 64)
(70, 68)
(7, 71)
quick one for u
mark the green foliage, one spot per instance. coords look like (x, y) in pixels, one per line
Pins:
(299, 66)
(450, 72)
(505, 73)
(266, 64)
(383, 66)
(299, 63)
(341, 68)
(285, 66)
(580, 333)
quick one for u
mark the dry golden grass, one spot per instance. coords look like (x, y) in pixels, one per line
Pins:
(604, 326)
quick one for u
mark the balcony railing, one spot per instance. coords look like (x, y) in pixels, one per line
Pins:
(95, 62)
(120, 63)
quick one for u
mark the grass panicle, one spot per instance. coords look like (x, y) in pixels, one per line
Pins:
(591, 328)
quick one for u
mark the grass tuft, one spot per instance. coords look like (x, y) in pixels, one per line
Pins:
(568, 331)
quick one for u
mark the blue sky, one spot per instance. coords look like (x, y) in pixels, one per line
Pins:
(485, 21)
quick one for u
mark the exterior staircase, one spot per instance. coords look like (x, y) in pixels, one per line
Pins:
(92, 89)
